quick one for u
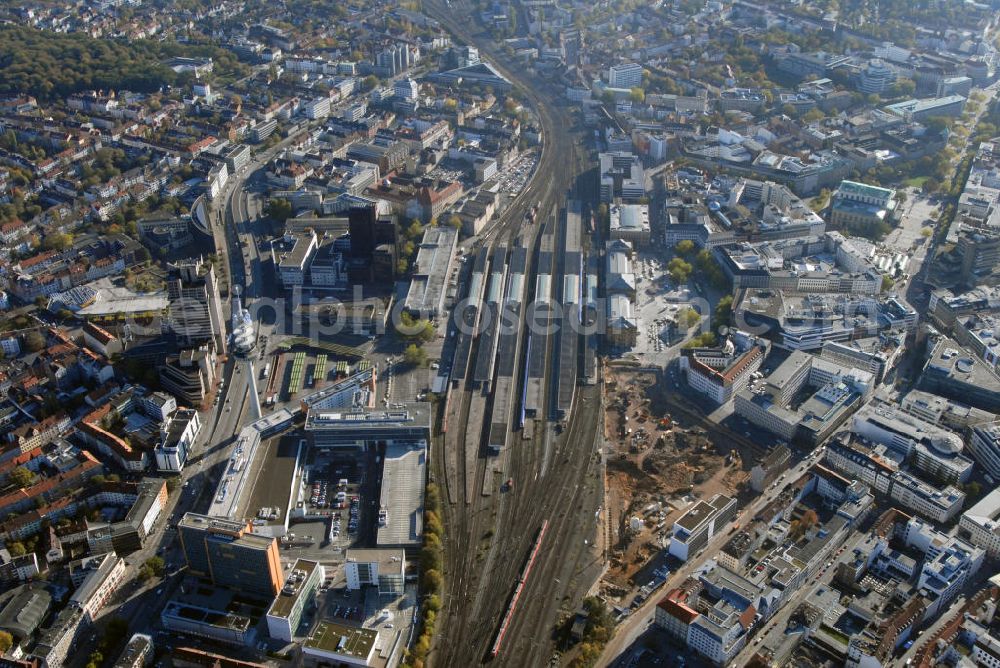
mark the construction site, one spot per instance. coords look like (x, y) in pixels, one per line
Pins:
(661, 457)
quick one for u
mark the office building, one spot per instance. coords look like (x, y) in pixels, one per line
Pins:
(333, 644)
(836, 392)
(979, 252)
(699, 524)
(718, 373)
(190, 374)
(292, 255)
(955, 374)
(626, 75)
(930, 449)
(406, 89)
(373, 251)
(298, 593)
(178, 433)
(920, 110)
(981, 523)
(195, 305)
(215, 623)
(622, 177)
(360, 427)
(984, 447)
(938, 505)
(877, 77)
(947, 413)
(230, 555)
(877, 468)
(385, 569)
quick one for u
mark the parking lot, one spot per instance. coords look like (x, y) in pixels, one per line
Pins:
(515, 176)
(333, 511)
(450, 171)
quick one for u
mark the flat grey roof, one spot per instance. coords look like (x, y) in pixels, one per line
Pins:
(433, 265)
(292, 589)
(412, 414)
(403, 474)
(780, 377)
(389, 560)
(693, 518)
(294, 257)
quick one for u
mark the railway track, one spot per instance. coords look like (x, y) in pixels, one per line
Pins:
(486, 532)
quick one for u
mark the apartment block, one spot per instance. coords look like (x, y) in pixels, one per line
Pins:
(626, 75)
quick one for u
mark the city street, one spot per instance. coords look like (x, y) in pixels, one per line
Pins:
(617, 651)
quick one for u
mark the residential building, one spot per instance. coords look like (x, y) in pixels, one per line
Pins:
(949, 563)
(767, 471)
(675, 613)
(720, 633)
(96, 579)
(65, 633)
(626, 75)
(138, 652)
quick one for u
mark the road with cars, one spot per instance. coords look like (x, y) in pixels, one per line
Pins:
(616, 652)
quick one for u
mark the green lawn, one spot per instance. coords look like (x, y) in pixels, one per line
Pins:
(916, 181)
